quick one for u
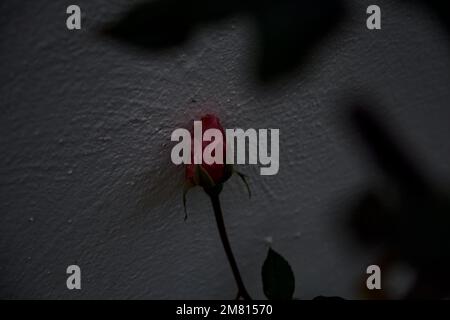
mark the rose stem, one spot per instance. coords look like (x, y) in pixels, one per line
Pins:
(226, 245)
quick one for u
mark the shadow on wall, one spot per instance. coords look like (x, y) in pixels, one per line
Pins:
(288, 29)
(407, 215)
(440, 7)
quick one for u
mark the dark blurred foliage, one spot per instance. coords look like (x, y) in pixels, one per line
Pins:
(408, 217)
(288, 29)
(439, 7)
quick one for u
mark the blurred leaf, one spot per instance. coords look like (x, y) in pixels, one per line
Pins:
(408, 216)
(287, 30)
(278, 278)
(440, 7)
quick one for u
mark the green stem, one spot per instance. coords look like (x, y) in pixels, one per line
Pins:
(226, 245)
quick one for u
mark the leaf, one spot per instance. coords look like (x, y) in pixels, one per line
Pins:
(202, 177)
(188, 186)
(160, 24)
(244, 179)
(278, 278)
(288, 30)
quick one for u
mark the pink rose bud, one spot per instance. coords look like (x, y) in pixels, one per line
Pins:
(217, 172)
(210, 177)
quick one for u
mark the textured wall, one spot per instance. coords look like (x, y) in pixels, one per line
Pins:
(85, 171)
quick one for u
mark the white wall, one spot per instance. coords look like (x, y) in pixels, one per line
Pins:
(85, 171)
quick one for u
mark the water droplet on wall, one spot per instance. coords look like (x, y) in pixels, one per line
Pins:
(268, 240)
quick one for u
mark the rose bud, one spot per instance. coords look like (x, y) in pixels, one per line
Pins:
(209, 176)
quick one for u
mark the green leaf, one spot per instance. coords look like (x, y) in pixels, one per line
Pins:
(202, 177)
(244, 179)
(229, 170)
(278, 278)
(188, 186)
